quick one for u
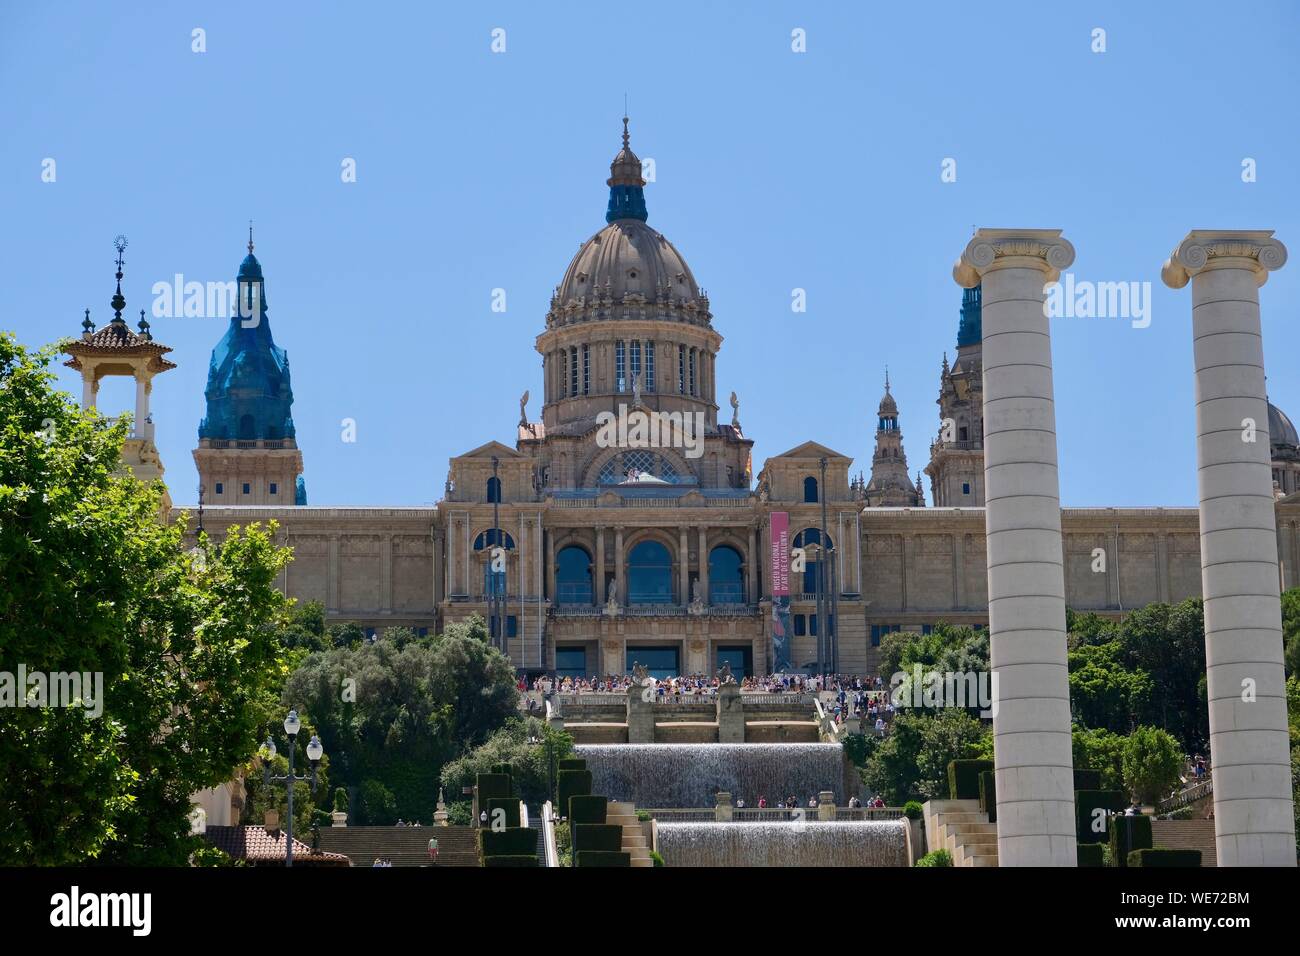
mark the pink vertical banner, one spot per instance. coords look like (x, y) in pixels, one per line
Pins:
(779, 559)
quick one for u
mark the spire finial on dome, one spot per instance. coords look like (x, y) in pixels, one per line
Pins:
(250, 237)
(626, 193)
(886, 379)
(119, 302)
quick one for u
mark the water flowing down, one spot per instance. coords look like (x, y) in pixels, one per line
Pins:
(812, 843)
(688, 775)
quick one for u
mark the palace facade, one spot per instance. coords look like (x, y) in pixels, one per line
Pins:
(620, 550)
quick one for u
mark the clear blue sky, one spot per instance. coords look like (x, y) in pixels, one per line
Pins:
(775, 170)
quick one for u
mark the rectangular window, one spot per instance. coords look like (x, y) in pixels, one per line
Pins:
(620, 367)
(875, 635)
(220, 488)
(273, 487)
(927, 628)
(800, 626)
(636, 359)
(586, 370)
(564, 371)
(812, 624)
(247, 490)
(681, 370)
(573, 370)
(649, 366)
(692, 371)
(965, 487)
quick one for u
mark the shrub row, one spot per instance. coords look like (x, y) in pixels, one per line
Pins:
(603, 858)
(989, 795)
(1128, 834)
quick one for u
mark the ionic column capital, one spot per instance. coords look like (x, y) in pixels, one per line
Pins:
(1203, 249)
(993, 249)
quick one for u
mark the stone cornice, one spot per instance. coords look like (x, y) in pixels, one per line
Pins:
(992, 249)
(1205, 249)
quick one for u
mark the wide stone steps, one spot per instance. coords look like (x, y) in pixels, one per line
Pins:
(403, 846)
(966, 833)
(623, 814)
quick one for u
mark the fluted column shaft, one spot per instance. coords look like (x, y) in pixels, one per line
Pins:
(1031, 710)
(1246, 689)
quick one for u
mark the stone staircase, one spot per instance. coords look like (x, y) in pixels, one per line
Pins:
(959, 827)
(624, 814)
(404, 846)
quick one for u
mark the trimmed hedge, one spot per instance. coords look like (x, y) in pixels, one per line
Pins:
(571, 783)
(964, 778)
(1128, 834)
(511, 861)
(508, 804)
(1087, 779)
(573, 763)
(492, 785)
(516, 841)
(1086, 803)
(588, 808)
(597, 837)
(1153, 857)
(1091, 854)
(603, 858)
(989, 795)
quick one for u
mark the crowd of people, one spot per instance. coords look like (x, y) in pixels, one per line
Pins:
(792, 803)
(704, 684)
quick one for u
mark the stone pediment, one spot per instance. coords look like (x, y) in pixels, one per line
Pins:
(490, 449)
(811, 449)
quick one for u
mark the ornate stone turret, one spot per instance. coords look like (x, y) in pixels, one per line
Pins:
(890, 486)
(956, 467)
(248, 453)
(116, 350)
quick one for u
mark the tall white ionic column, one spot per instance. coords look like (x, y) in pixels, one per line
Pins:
(1022, 514)
(1249, 746)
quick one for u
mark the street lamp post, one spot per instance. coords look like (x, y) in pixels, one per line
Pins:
(827, 602)
(314, 752)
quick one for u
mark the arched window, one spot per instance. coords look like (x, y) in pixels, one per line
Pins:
(649, 574)
(493, 489)
(493, 582)
(810, 489)
(810, 539)
(573, 576)
(726, 576)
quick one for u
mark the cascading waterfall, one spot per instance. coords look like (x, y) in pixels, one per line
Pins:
(801, 843)
(688, 775)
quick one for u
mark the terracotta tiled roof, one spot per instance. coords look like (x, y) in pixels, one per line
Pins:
(255, 845)
(116, 338)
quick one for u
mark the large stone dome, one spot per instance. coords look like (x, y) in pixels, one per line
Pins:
(627, 257)
(1280, 429)
(628, 269)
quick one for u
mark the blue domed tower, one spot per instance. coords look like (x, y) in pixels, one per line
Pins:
(248, 453)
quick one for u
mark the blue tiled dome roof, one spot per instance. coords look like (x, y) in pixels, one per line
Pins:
(249, 395)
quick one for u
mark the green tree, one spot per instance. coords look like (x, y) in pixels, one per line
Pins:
(395, 709)
(95, 583)
(1099, 749)
(1103, 692)
(1152, 763)
(1291, 630)
(912, 760)
(1168, 643)
(512, 744)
